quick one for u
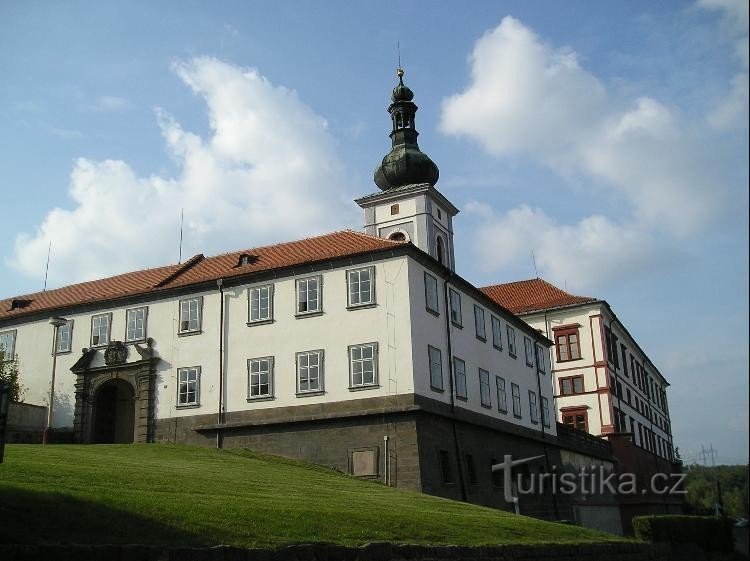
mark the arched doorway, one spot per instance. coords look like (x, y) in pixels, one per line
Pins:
(114, 413)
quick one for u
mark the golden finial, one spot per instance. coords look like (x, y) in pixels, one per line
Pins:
(400, 72)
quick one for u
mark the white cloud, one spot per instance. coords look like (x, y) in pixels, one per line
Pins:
(527, 98)
(268, 172)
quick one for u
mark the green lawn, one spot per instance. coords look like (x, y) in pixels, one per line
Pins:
(176, 495)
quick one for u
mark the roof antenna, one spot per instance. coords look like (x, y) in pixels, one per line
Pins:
(398, 48)
(533, 259)
(182, 214)
(46, 270)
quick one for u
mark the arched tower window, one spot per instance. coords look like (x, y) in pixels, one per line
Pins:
(440, 250)
(398, 236)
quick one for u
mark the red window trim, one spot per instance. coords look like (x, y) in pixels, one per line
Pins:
(573, 411)
(566, 331)
(572, 385)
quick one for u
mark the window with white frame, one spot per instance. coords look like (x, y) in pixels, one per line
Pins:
(485, 397)
(190, 315)
(511, 333)
(65, 337)
(260, 377)
(261, 303)
(459, 372)
(361, 286)
(516, 395)
(308, 295)
(363, 365)
(135, 324)
(188, 386)
(541, 354)
(545, 411)
(436, 367)
(533, 408)
(455, 302)
(528, 347)
(309, 371)
(479, 326)
(432, 302)
(8, 344)
(502, 398)
(497, 333)
(100, 330)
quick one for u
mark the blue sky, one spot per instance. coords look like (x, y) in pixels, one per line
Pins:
(609, 138)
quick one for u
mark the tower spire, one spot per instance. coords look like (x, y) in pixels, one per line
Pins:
(405, 164)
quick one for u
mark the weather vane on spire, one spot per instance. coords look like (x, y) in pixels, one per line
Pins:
(399, 70)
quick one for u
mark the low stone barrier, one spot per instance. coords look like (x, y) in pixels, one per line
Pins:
(626, 551)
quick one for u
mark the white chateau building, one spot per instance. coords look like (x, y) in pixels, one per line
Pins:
(363, 351)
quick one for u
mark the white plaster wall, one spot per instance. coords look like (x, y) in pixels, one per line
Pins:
(407, 209)
(427, 329)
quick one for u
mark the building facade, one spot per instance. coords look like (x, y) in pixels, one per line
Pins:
(604, 382)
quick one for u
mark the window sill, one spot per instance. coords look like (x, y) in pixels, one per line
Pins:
(486, 406)
(462, 398)
(310, 393)
(303, 315)
(189, 333)
(352, 307)
(497, 348)
(99, 346)
(436, 389)
(261, 398)
(534, 422)
(260, 322)
(482, 339)
(456, 324)
(517, 416)
(512, 355)
(570, 359)
(188, 406)
(502, 412)
(363, 388)
(435, 313)
(135, 341)
(58, 353)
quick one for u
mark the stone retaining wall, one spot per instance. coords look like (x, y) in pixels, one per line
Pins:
(323, 552)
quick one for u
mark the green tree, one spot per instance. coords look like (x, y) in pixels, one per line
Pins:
(9, 375)
(702, 493)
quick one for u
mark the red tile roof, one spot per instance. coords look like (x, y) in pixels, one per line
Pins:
(196, 270)
(532, 295)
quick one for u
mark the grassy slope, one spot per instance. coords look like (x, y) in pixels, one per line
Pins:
(160, 494)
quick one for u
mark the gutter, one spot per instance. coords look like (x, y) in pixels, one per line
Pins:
(220, 414)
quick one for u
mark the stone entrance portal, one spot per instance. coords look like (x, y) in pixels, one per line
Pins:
(114, 397)
(114, 413)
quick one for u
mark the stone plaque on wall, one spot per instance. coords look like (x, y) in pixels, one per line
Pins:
(365, 463)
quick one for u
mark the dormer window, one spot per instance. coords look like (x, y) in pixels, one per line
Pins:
(398, 236)
(246, 259)
(19, 303)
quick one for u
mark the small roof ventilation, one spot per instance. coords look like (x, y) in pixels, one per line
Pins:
(19, 303)
(246, 259)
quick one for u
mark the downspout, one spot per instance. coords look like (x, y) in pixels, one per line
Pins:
(549, 415)
(220, 414)
(450, 383)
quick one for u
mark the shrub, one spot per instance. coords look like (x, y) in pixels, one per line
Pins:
(710, 533)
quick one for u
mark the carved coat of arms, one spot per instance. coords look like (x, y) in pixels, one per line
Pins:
(115, 353)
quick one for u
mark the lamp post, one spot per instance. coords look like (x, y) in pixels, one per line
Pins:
(57, 323)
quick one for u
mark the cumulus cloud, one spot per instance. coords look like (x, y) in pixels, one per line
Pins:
(267, 172)
(528, 98)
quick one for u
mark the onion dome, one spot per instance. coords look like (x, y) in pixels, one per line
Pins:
(405, 164)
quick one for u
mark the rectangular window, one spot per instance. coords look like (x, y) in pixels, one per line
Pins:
(310, 371)
(363, 365)
(511, 341)
(188, 386)
(431, 294)
(361, 286)
(135, 324)
(459, 371)
(100, 330)
(545, 412)
(540, 358)
(308, 295)
(485, 397)
(567, 344)
(8, 344)
(65, 337)
(533, 408)
(436, 368)
(502, 398)
(528, 347)
(479, 326)
(260, 377)
(455, 302)
(516, 393)
(624, 351)
(497, 337)
(576, 419)
(446, 469)
(571, 385)
(260, 299)
(190, 315)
